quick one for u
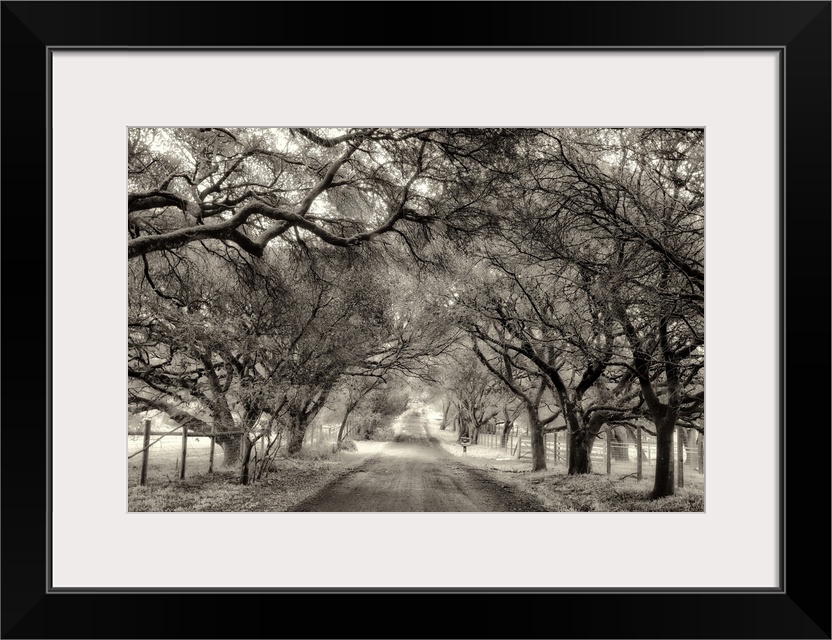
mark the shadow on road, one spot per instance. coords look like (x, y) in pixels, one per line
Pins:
(413, 473)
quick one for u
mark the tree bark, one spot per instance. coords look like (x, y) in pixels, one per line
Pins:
(577, 445)
(664, 455)
(580, 450)
(230, 449)
(296, 433)
(581, 438)
(246, 458)
(538, 444)
(445, 417)
(343, 426)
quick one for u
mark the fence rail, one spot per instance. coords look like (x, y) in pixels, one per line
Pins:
(612, 455)
(172, 452)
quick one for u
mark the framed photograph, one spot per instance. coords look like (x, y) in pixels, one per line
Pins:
(742, 89)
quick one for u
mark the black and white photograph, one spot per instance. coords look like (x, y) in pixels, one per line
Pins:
(416, 319)
(415, 307)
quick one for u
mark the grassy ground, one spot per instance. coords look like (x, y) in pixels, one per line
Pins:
(164, 459)
(293, 481)
(297, 479)
(620, 491)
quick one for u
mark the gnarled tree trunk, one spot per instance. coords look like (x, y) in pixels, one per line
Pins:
(342, 428)
(664, 455)
(580, 453)
(444, 424)
(230, 444)
(246, 446)
(582, 438)
(580, 449)
(538, 444)
(295, 434)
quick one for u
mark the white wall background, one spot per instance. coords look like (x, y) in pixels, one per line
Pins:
(98, 95)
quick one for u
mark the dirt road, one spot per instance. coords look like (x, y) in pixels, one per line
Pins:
(413, 473)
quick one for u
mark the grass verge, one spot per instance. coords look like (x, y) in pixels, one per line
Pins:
(558, 491)
(293, 481)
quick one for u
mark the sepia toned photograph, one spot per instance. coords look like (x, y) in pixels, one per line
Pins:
(416, 312)
(415, 319)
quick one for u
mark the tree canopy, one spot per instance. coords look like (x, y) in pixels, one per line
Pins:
(558, 270)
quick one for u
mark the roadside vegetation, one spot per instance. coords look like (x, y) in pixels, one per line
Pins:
(291, 481)
(559, 491)
(294, 290)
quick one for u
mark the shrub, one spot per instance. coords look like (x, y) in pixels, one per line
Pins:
(347, 445)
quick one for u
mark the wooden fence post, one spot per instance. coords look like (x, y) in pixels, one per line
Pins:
(555, 438)
(639, 452)
(211, 450)
(145, 452)
(609, 451)
(702, 453)
(184, 452)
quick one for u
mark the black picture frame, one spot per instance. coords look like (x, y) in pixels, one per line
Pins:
(799, 608)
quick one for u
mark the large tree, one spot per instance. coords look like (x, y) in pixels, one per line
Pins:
(628, 205)
(597, 235)
(198, 346)
(226, 346)
(537, 326)
(272, 268)
(248, 187)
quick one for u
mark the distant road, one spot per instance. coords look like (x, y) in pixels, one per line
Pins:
(413, 473)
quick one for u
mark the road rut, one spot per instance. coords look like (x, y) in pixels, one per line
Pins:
(413, 473)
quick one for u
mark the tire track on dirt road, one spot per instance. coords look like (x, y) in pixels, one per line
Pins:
(413, 473)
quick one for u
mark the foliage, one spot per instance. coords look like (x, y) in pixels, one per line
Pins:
(278, 273)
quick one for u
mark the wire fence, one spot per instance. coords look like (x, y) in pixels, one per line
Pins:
(171, 454)
(613, 457)
(323, 433)
(164, 457)
(177, 453)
